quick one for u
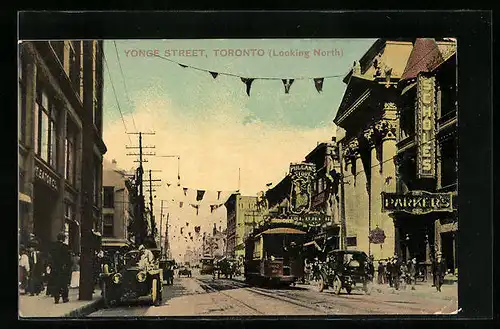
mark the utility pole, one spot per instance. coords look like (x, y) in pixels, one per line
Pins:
(343, 230)
(141, 229)
(153, 224)
(161, 227)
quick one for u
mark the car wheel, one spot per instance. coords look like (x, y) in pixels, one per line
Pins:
(318, 283)
(337, 285)
(154, 293)
(105, 297)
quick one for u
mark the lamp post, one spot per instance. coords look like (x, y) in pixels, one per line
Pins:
(407, 239)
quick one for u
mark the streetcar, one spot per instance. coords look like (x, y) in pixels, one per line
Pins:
(207, 265)
(273, 254)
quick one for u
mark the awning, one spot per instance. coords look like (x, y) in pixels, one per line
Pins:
(24, 198)
(282, 230)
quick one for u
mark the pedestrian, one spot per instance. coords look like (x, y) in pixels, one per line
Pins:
(380, 272)
(389, 271)
(404, 274)
(24, 269)
(433, 268)
(395, 272)
(61, 268)
(413, 273)
(440, 271)
(36, 269)
(97, 267)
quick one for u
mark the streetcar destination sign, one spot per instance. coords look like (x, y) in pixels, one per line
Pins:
(417, 202)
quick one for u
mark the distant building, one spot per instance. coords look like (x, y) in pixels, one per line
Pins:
(116, 209)
(243, 214)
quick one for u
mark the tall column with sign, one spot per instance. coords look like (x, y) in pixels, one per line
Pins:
(388, 172)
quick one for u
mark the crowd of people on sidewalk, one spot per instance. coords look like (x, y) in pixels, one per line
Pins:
(53, 271)
(399, 274)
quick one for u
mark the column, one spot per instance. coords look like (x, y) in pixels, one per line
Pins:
(361, 204)
(58, 213)
(30, 95)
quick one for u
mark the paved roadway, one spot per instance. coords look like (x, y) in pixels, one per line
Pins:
(204, 296)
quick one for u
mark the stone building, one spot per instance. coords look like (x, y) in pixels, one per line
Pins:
(60, 140)
(243, 214)
(377, 117)
(117, 208)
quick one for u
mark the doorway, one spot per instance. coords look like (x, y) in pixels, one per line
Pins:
(447, 250)
(43, 209)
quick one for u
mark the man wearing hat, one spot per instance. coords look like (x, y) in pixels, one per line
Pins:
(147, 257)
(60, 259)
(440, 271)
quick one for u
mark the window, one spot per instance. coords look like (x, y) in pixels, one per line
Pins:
(46, 128)
(74, 65)
(108, 197)
(21, 103)
(107, 228)
(448, 162)
(97, 188)
(351, 241)
(70, 152)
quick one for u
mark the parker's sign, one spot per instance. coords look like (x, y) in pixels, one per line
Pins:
(43, 175)
(426, 127)
(417, 202)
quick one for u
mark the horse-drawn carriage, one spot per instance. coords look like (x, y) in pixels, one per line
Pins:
(225, 266)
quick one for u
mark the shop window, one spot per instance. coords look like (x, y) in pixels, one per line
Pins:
(107, 225)
(351, 241)
(45, 128)
(108, 197)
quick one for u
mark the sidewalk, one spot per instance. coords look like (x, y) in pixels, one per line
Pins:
(44, 306)
(422, 290)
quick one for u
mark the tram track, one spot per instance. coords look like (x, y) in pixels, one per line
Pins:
(260, 292)
(208, 288)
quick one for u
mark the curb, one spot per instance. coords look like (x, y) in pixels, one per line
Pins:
(85, 310)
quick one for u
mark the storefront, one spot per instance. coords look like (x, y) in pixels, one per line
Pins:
(47, 221)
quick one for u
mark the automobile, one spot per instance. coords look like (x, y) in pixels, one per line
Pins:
(207, 265)
(343, 269)
(185, 270)
(127, 281)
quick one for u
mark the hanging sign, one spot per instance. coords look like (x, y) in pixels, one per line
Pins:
(377, 236)
(426, 127)
(45, 176)
(301, 175)
(417, 202)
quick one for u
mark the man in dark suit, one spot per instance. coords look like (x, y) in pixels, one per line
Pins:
(35, 284)
(61, 268)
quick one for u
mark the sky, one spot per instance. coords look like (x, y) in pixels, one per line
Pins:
(226, 139)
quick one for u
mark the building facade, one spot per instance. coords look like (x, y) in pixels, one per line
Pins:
(116, 208)
(380, 155)
(243, 214)
(60, 95)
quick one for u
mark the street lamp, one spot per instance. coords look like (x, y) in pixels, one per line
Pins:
(407, 247)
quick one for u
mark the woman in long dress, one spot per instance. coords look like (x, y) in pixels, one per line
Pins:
(75, 274)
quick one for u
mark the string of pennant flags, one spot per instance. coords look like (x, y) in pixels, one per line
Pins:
(248, 81)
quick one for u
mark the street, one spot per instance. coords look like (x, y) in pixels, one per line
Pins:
(203, 296)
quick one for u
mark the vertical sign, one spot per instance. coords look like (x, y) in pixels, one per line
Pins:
(426, 127)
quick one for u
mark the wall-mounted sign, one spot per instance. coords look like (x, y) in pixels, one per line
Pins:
(426, 127)
(417, 202)
(45, 176)
(301, 175)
